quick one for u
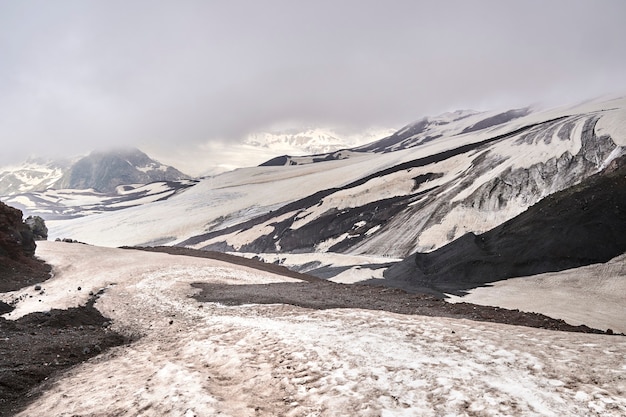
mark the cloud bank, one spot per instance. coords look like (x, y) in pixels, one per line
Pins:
(77, 76)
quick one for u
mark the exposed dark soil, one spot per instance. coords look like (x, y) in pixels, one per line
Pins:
(324, 295)
(225, 257)
(19, 274)
(40, 346)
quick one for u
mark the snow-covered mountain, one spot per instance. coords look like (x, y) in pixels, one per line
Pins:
(390, 199)
(100, 171)
(313, 141)
(100, 181)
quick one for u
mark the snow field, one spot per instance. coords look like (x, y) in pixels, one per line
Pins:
(591, 295)
(277, 359)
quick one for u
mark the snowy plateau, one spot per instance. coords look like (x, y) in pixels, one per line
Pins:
(461, 190)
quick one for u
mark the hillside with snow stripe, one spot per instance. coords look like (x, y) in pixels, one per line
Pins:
(592, 294)
(206, 358)
(53, 204)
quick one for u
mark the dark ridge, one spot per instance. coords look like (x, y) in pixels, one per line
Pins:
(279, 161)
(385, 143)
(225, 257)
(498, 119)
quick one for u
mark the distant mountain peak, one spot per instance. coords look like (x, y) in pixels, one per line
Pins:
(308, 140)
(100, 170)
(104, 171)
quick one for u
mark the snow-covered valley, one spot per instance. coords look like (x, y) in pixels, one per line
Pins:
(197, 359)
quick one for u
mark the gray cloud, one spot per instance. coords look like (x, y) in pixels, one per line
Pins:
(81, 75)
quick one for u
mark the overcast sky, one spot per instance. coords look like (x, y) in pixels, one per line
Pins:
(75, 75)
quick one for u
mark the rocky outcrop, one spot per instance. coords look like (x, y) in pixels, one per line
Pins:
(18, 265)
(16, 238)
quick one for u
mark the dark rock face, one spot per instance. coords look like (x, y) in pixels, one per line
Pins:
(16, 238)
(581, 225)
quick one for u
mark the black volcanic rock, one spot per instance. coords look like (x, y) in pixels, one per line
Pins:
(16, 238)
(18, 266)
(581, 225)
(38, 226)
(104, 171)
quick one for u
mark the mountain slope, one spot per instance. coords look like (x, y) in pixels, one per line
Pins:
(581, 225)
(434, 198)
(380, 204)
(448, 124)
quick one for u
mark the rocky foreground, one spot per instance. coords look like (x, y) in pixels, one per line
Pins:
(39, 345)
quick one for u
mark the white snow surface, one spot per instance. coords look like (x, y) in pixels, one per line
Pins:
(270, 360)
(358, 267)
(594, 295)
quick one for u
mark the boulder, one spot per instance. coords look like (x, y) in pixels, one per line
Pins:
(38, 226)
